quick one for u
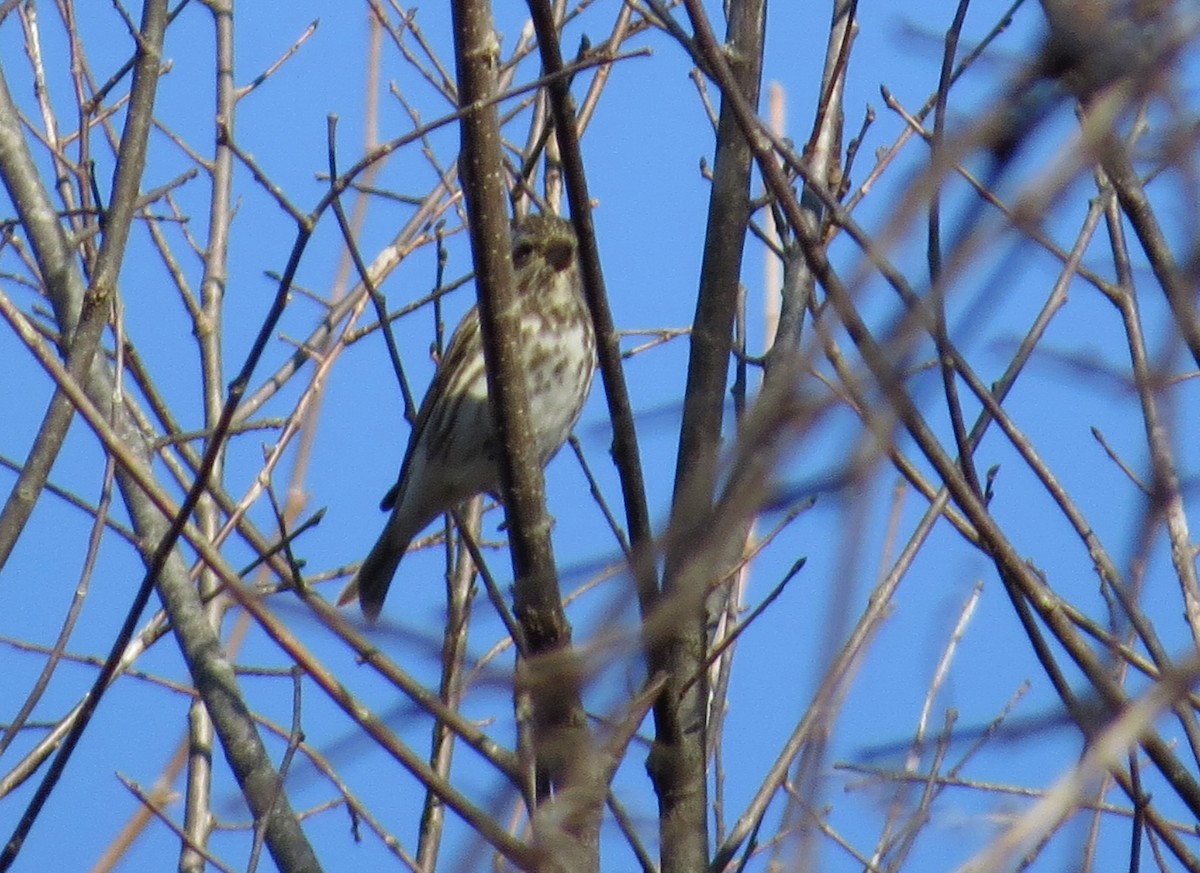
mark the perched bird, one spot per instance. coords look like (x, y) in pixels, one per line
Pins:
(453, 452)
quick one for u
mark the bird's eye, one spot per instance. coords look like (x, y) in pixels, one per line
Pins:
(522, 252)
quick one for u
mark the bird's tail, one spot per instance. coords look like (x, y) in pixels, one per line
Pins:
(370, 584)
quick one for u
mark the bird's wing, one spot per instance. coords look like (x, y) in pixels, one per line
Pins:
(464, 337)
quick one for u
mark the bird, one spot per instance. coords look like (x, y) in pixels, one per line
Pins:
(453, 451)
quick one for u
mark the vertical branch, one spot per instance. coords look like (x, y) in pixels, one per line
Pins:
(937, 281)
(677, 763)
(608, 350)
(483, 186)
(459, 588)
(198, 817)
(557, 711)
(64, 287)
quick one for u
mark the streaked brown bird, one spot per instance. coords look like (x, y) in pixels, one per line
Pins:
(453, 451)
